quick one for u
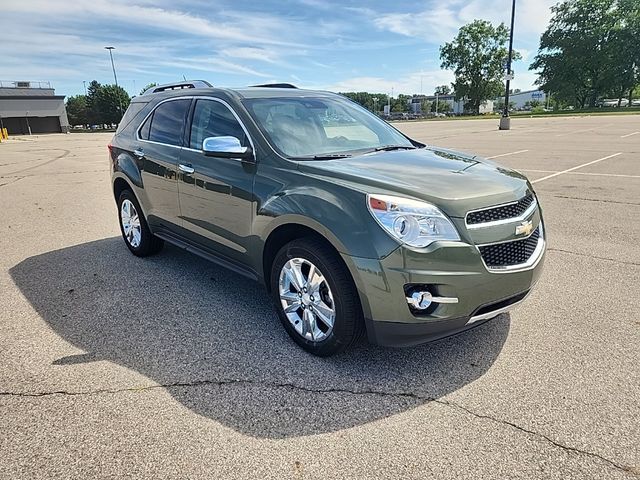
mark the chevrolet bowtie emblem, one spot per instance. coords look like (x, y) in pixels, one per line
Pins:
(525, 228)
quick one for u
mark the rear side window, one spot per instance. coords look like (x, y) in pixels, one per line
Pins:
(213, 119)
(146, 126)
(167, 122)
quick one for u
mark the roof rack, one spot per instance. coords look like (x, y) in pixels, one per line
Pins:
(178, 86)
(276, 85)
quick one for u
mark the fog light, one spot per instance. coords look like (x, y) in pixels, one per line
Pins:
(420, 300)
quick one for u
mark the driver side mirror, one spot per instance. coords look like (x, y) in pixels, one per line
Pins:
(226, 147)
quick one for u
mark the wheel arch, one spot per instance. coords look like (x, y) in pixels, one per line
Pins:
(289, 229)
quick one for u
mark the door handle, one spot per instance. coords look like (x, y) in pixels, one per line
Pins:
(138, 152)
(186, 169)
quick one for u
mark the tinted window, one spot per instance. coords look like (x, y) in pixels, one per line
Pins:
(168, 120)
(146, 126)
(213, 119)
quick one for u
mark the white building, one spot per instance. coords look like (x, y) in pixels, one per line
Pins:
(521, 98)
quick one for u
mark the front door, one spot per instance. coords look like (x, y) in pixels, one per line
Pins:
(216, 193)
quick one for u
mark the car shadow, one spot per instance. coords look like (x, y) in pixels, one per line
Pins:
(213, 339)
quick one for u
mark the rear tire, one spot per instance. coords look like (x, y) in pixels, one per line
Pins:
(323, 312)
(135, 230)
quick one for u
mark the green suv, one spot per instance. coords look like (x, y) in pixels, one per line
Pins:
(352, 226)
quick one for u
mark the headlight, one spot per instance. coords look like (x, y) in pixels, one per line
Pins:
(412, 222)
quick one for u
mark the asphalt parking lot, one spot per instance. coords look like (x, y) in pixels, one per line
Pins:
(167, 367)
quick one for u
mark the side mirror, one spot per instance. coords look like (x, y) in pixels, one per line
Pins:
(226, 147)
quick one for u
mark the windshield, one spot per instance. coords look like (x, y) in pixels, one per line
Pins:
(308, 127)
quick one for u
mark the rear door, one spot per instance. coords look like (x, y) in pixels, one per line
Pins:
(158, 149)
(216, 198)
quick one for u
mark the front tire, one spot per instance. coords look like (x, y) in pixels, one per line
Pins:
(315, 297)
(135, 230)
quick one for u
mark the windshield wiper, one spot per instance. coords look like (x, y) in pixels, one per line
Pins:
(331, 156)
(388, 148)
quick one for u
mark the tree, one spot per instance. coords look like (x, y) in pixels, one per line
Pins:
(442, 90)
(112, 102)
(590, 49)
(77, 110)
(106, 103)
(93, 114)
(477, 57)
(370, 101)
(150, 85)
(443, 107)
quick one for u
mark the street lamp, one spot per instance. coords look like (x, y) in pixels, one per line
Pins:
(26, 116)
(505, 120)
(113, 67)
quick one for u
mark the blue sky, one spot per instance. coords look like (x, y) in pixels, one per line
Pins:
(339, 46)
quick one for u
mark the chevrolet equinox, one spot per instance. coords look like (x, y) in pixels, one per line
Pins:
(352, 226)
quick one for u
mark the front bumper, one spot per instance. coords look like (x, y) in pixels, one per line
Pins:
(450, 269)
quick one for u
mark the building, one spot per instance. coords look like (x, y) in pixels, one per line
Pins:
(31, 107)
(455, 106)
(518, 100)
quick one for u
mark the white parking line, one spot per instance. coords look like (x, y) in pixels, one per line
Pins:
(629, 134)
(506, 154)
(581, 173)
(576, 168)
(575, 131)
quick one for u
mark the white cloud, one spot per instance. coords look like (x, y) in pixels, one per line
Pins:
(440, 22)
(414, 82)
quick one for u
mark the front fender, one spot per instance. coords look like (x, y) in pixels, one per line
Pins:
(341, 217)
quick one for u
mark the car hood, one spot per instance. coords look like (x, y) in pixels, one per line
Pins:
(455, 182)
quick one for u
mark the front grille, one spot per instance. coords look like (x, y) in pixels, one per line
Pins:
(510, 253)
(503, 212)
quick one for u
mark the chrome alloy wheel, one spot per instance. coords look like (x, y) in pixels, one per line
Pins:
(130, 223)
(307, 299)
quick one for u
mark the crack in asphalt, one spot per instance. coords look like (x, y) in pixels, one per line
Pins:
(595, 200)
(406, 395)
(592, 256)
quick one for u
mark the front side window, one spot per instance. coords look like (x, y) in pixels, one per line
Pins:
(167, 122)
(305, 127)
(213, 119)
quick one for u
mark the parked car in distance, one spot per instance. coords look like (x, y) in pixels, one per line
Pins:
(353, 227)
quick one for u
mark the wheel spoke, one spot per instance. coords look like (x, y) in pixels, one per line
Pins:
(292, 307)
(308, 323)
(315, 279)
(324, 313)
(295, 275)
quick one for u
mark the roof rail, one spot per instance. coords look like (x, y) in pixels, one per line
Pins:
(276, 85)
(178, 86)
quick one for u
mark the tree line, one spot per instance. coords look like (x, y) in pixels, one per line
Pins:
(102, 105)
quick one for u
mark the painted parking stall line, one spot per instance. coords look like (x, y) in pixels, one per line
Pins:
(506, 154)
(576, 167)
(629, 134)
(591, 174)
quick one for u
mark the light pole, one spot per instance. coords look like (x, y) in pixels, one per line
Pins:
(84, 83)
(505, 120)
(27, 119)
(115, 77)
